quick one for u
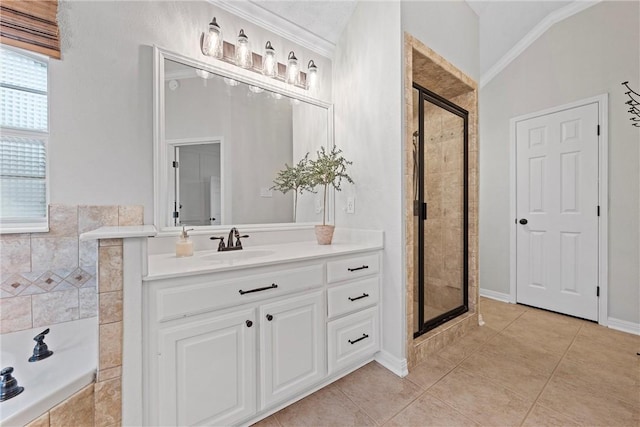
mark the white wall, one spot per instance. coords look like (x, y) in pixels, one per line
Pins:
(585, 55)
(448, 27)
(368, 104)
(101, 147)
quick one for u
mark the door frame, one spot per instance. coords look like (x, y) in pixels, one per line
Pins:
(171, 144)
(603, 196)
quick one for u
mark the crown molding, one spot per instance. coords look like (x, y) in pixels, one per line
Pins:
(255, 14)
(533, 35)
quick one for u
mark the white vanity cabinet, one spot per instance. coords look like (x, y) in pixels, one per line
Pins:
(222, 348)
(206, 370)
(292, 346)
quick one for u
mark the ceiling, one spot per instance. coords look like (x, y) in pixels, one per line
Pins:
(502, 23)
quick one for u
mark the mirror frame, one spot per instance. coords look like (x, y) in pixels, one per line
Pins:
(160, 155)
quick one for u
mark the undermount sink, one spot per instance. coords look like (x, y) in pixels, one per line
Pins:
(239, 255)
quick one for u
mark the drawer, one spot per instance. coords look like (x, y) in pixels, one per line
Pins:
(352, 296)
(352, 267)
(352, 339)
(211, 294)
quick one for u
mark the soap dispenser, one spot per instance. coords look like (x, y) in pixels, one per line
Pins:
(184, 245)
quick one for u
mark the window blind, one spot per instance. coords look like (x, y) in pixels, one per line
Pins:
(30, 25)
(23, 137)
(23, 177)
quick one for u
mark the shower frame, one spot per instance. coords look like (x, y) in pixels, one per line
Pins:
(420, 210)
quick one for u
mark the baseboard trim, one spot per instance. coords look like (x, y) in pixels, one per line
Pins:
(394, 364)
(498, 296)
(623, 325)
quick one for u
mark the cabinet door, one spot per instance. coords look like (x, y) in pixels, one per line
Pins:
(292, 346)
(207, 370)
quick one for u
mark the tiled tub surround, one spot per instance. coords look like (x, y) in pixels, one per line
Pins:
(49, 382)
(49, 278)
(430, 70)
(21, 255)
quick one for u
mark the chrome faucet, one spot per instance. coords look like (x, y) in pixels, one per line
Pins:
(230, 246)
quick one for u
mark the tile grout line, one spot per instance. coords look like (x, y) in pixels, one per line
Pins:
(351, 400)
(535, 401)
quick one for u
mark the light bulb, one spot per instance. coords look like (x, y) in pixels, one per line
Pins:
(256, 89)
(292, 69)
(312, 76)
(269, 63)
(244, 58)
(204, 74)
(212, 42)
(231, 82)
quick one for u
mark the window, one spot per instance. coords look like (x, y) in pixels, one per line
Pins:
(24, 133)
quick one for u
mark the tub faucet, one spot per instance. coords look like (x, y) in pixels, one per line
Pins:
(8, 385)
(41, 350)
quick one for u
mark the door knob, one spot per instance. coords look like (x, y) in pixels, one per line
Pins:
(523, 221)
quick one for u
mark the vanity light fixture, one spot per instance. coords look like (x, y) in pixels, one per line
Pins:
(244, 57)
(212, 42)
(256, 89)
(269, 63)
(292, 69)
(276, 95)
(312, 76)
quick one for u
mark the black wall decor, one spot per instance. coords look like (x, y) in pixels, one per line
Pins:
(633, 103)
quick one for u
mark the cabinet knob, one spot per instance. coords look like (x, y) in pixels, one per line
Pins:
(269, 317)
(249, 323)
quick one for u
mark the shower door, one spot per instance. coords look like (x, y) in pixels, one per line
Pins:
(440, 154)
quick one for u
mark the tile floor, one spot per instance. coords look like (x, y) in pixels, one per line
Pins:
(525, 367)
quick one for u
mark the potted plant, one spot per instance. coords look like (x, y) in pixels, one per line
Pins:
(328, 169)
(294, 178)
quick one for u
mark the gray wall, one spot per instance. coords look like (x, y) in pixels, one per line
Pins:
(101, 146)
(367, 69)
(368, 96)
(448, 27)
(585, 55)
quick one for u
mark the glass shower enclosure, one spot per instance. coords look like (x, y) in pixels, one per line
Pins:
(440, 193)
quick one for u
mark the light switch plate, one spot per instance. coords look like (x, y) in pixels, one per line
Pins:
(351, 205)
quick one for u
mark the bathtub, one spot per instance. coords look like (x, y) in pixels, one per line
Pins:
(50, 381)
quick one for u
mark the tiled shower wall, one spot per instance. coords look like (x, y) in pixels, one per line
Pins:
(49, 278)
(444, 191)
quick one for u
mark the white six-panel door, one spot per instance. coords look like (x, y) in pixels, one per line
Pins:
(557, 211)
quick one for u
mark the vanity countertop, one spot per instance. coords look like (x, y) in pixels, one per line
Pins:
(164, 266)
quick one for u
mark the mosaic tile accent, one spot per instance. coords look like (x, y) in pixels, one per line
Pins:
(15, 284)
(78, 277)
(42, 268)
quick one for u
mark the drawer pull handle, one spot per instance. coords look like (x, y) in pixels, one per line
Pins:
(358, 268)
(249, 323)
(273, 286)
(269, 317)
(364, 336)
(357, 298)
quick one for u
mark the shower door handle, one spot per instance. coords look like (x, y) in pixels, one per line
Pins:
(420, 209)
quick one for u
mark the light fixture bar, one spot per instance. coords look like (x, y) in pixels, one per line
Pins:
(229, 55)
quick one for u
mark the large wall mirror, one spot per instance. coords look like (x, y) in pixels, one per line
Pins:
(221, 137)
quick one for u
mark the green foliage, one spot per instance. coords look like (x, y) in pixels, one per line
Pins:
(295, 178)
(329, 169)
